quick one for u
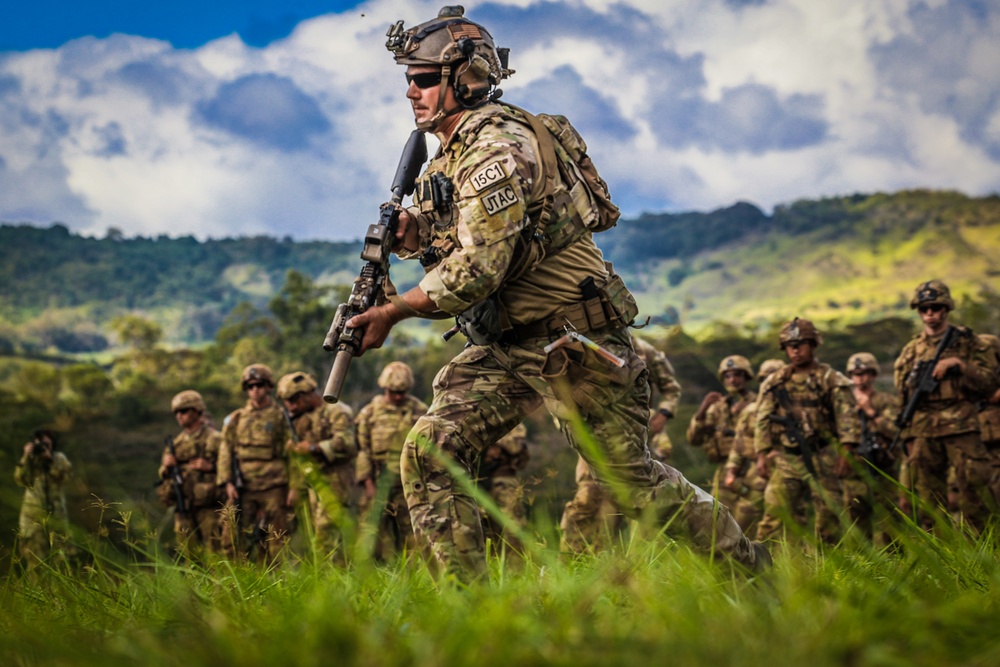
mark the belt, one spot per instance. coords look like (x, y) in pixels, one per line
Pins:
(583, 317)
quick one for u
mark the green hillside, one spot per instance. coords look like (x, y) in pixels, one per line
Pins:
(847, 259)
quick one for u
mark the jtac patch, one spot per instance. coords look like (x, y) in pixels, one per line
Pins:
(488, 175)
(497, 201)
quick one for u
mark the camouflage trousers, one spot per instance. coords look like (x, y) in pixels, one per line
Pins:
(259, 529)
(394, 527)
(41, 539)
(792, 489)
(510, 497)
(331, 504)
(199, 529)
(603, 411)
(928, 461)
(590, 521)
(749, 507)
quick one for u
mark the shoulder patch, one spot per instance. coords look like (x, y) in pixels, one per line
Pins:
(492, 173)
(498, 200)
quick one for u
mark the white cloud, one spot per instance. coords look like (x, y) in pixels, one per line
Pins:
(687, 104)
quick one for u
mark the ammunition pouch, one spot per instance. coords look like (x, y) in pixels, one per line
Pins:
(480, 323)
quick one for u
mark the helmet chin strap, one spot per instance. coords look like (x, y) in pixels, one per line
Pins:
(432, 123)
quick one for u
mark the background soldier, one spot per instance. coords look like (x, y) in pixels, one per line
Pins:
(805, 412)
(741, 473)
(989, 418)
(254, 439)
(511, 253)
(592, 519)
(43, 524)
(713, 426)
(327, 446)
(945, 429)
(869, 482)
(498, 475)
(197, 452)
(382, 427)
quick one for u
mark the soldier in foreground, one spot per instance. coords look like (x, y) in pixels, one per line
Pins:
(253, 451)
(713, 425)
(591, 520)
(806, 413)
(741, 473)
(327, 450)
(869, 482)
(941, 375)
(193, 453)
(382, 426)
(498, 475)
(43, 524)
(502, 222)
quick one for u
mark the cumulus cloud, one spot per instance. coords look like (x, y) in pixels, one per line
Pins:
(688, 104)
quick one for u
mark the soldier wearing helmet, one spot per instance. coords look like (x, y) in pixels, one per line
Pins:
(945, 431)
(43, 524)
(868, 495)
(382, 427)
(254, 444)
(806, 414)
(713, 425)
(592, 519)
(327, 450)
(502, 221)
(195, 454)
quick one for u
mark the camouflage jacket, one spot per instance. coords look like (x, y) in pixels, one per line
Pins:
(204, 443)
(506, 456)
(822, 402)
(716, 429)
(661, 374)
(258, 438)
(467, 244)
(951, 409)
(331, 428)
(43, 483)
(883, 424)
(382, 430)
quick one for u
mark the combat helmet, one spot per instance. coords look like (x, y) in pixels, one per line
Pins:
(299, 382)
(256, 373)
(396, 376)
(768, 367)
(930, 293)
(470, 61)
(799, 329)
(862, 362)
(735, 362)
(187, 399)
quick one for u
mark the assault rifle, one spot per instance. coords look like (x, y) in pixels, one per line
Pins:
(177, 481)
(924, 384)
(369, 286)
(794, 430)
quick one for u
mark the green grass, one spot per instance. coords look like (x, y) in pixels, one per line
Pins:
(932, 601)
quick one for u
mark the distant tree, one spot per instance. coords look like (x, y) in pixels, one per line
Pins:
(137, 332)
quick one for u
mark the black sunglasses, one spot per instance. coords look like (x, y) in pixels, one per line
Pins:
(424, 79)
(255, 385)
(183, 411)
(933, 308)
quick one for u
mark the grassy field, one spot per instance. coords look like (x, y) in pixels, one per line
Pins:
(930, 601)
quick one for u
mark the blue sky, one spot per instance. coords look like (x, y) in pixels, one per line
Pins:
(256, 117)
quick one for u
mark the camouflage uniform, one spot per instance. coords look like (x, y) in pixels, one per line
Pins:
(201, 524)
(715, 430)
(255, 439)
(748, 485)
(330, 469)
(499, 232)
(498, 474)
(592, 518)
(945, 429)
(989, 419)
(43, 523)
(822, 403)
(382, 428)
